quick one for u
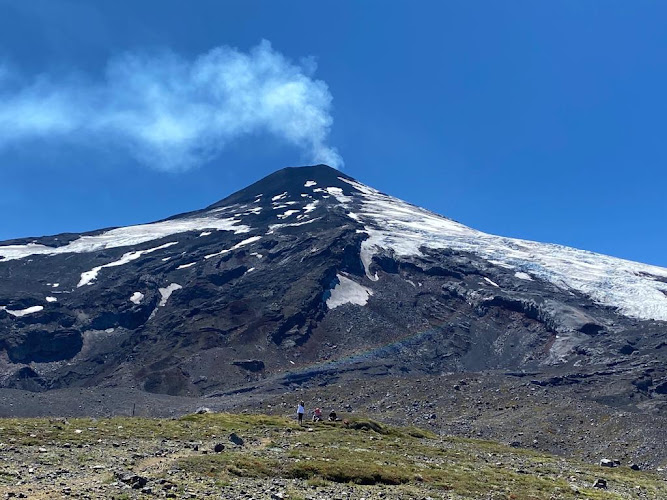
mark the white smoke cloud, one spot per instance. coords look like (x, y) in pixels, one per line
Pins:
(171, 113)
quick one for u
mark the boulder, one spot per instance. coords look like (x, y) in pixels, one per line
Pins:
(236, 439)
(136, 481)
(252, 365)
(600, 483)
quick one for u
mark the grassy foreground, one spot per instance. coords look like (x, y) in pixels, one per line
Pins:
(155, 458)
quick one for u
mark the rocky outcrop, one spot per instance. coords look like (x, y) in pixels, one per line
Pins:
(43, 346)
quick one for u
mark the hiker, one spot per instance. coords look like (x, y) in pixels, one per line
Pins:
(332, 415)
(317, 415)
(299, 412)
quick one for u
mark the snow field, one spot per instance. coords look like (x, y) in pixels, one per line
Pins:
(126, 236)
(634, 289)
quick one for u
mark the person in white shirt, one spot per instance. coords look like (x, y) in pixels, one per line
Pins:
(299, 412)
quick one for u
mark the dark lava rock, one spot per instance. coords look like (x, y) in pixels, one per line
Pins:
(600, 483)
(627, 349)
(236, 439)
(27, 379)
(136, 481)
(42, 346)
(253, 365)
(643, 384)
(661, 388)
(219, 447)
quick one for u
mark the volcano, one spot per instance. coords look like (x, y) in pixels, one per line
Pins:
(311, 277)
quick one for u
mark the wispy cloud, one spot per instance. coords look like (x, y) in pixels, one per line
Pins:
(172, 113)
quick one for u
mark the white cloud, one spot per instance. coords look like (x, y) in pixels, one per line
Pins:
(173, 113)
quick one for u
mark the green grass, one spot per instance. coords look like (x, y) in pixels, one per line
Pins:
(37, 431)
(364, 452)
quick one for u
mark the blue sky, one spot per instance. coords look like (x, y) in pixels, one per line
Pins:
(537, 120)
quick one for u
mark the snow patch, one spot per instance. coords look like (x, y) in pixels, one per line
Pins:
(126, 236)
(206, 233)
(88, 277)
(273, 227)
(247, 241)
(258, 255)
(287, 214)
(51, 299)
(347, 291)
(310, 184)
(310, 206)
(222, 209)
(279, 196)
(185, 266)
(337, 193)
(500, 264)
(493, 283)
(166, 293)
(523, 276)
(24, 312)
(137, 297)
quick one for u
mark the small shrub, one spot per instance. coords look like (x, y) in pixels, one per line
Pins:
(348, 472)
(418, 433)
(367, 425)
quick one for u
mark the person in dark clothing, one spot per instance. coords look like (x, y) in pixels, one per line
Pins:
(332, 416)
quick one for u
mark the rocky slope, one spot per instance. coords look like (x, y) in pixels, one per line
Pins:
(310, 279)
(262, 457)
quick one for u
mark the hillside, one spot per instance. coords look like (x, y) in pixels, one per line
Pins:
(310, 284)
(272, 457)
